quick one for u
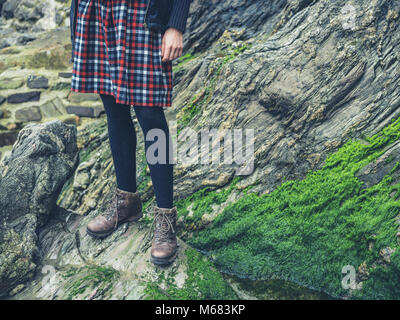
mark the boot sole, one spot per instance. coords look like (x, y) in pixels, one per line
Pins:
(102, 235)
(164, 261)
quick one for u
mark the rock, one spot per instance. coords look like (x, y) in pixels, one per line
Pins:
(309, 101)
(8, 138)
(77, 97)
(24, 97)
(4, 43)
(66, 247)
(61, 86)
(35, 82)
(59, 105)
(8, 8)
(17, 289)
(28, 114)
(207, 24)
(59, 18)
(53, 108)
(1, 4)
(386, 253)
(11, 83)
(42, 159)
(2, 100)
(29, 10)
(26, 38)
(83, 174)
(65, 74)
(1, 114)
(81, 180)
(91, 112)
(375, 171)
(53, 59)
(70, 119)
(363, 272)
(49, 110)
(12, 126)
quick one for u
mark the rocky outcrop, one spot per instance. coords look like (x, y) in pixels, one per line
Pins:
(22, 20)
(75, 266)
(208, 20)
(326, 74)
(308, 77)
(48, 243)
(305, 89)
(42, 159)
(387, 163)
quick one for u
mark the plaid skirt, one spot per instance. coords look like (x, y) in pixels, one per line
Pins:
(115, 54)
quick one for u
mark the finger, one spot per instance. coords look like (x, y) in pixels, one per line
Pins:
(172, 53)
(163, 47)
(175, 55)
(178, 52)
(167, 53)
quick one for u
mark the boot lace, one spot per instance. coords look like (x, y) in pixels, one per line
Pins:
(162, 219)
(160, 234)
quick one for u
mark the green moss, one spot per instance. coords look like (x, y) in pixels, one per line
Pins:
(202, 201)
(306, 231)
(183, 60)
(89, 278)
(202, 282)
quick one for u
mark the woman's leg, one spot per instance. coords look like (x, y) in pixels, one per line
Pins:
(161, 173)
(122, 137)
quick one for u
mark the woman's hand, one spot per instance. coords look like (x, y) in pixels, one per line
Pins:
(172, 45)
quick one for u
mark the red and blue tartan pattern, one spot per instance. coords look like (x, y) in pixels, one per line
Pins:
(115, 54)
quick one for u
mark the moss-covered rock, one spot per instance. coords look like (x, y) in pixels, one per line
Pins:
(307, 231)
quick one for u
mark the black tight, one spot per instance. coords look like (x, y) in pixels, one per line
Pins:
(122, 137)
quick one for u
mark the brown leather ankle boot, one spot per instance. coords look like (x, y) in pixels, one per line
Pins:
(164, 247)
(126, 206)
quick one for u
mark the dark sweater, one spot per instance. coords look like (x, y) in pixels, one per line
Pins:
(163, 14)
(179, 14)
